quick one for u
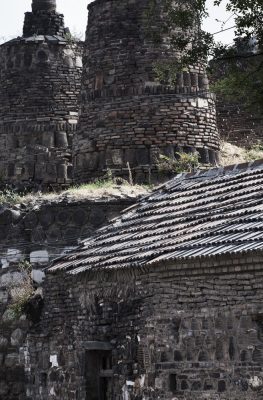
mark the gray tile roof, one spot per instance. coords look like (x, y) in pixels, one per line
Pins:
(219, 211)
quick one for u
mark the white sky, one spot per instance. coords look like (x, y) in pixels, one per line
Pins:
(12, 16)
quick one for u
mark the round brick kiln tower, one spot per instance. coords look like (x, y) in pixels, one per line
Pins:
(39, 86)
(126, 115)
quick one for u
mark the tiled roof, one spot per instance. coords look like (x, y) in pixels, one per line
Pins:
(219, 211)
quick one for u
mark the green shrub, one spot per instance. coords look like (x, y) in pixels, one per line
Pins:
(186, 162)
(9, 196)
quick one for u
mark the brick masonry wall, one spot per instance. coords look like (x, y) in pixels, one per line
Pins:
(126, 114)
(38, 233)
(179, 331)
(136, 130)
(39, 87)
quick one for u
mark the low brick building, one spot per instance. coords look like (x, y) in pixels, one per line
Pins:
(163, 303)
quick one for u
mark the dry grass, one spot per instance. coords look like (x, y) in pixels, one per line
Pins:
(90, 191)
(231, 154)
(108, 190)
(21, 290)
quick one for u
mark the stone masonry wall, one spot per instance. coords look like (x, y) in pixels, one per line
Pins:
(180, 331)
(43, 23)
(126, 113)
(38, 233)
(41, 231)
(39, 87)
(12, 336)
(136, 130)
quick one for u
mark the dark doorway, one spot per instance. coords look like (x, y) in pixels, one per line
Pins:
(98, 375)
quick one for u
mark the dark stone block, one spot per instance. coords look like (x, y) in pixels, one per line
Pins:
(208, 385)
(4, 388)
(63, 217)
(79, 217)
(244, 356)
(46, 217)
(15, 374)
(204, 155)
(221, 386)
(164, 356)
(62, 171)
(97, 217)
(91, 161)
(212, 157)
(203, 356)
(61, 139)
(31, 220)
(196, 386)
(54, 375)
(178, 355)
(232, 349)
(43, 379)
(38, 235)
(3, 231)
(184, 385)
(17, 388)
(173, 383)
(33, 308)
(244, 385)
(28, 59)
(53, 233)
(142, 156)
(5, 217)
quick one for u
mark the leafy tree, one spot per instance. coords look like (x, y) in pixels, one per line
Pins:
(184, 18)
(243, 74)
(238, 75)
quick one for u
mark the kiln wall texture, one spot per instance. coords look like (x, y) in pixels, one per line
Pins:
(127, 116)
(39, 87)
(180, 331)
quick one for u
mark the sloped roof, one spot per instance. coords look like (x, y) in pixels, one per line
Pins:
(219, 211)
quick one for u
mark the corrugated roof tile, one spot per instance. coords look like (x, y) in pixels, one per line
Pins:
(208, 213)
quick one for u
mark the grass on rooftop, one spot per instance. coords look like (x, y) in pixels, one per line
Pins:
(100, 187)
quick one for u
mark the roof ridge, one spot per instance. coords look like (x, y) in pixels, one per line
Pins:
(245, 166)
